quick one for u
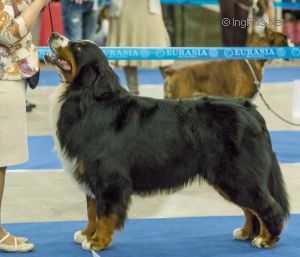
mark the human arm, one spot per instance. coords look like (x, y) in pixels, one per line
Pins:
(13, 29)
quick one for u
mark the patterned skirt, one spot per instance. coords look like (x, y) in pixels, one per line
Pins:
(137, 27)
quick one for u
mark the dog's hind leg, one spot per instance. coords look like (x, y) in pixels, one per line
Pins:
(90, 229)
(248, 231)
(270, 216)
(261, 204)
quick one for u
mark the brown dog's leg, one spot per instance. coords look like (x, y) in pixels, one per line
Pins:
(246, 232)
(105, 227)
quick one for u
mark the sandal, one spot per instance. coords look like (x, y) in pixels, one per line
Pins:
(19, 238)
(21, 247)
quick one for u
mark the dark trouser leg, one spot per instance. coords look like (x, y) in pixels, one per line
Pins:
(234, 31)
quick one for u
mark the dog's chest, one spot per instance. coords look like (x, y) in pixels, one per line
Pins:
(71, 165)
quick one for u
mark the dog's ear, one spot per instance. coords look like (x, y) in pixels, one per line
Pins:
(169, 71)
(101, 80)
(105, 83)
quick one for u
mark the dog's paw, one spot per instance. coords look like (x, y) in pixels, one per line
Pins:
(86, 245)
(79, 237)
(240, 234)
(96, 245)
(260, 242)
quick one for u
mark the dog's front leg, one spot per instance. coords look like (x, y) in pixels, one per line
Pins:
(105, 228)
(90, 229)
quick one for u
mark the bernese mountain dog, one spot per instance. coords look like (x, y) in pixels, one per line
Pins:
(116, 144)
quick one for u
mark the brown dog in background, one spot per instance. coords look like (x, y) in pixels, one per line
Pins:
(222, 78)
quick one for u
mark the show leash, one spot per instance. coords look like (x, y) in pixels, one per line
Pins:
(51, 17)
(257, 84)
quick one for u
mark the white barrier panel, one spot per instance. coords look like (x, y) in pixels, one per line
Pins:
(296, 100)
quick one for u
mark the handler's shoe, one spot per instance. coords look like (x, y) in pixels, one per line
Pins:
(20, 244)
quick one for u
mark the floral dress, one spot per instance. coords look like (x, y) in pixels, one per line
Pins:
(18, 55)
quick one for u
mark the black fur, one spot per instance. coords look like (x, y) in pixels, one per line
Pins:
(136, 145)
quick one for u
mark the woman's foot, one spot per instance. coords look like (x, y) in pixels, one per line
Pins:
(10, 243)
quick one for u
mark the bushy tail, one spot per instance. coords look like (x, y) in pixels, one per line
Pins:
(277, 187)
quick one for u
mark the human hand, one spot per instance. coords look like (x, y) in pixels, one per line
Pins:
(43, 2)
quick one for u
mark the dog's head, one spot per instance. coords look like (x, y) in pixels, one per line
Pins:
(260, 7)
(268, 38)
(81, 64)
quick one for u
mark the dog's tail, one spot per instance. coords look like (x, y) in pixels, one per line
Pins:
(277, 187)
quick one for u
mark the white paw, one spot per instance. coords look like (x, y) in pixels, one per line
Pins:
(79, 237)
(258, 242)
(86, 245)
(238, 234)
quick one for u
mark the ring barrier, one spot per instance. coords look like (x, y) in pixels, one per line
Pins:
(277, 4)
(194, 53)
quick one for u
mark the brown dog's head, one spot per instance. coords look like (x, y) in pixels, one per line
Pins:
(260, 7)
(268, 38)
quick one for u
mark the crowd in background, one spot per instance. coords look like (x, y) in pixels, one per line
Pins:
(148, 23)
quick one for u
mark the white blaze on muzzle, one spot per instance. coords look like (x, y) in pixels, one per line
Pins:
(61, 41)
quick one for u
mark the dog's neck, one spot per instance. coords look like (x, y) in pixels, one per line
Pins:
(257, 66)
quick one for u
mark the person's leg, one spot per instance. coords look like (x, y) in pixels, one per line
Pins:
(240, 32)
(227, 16)
(89, 20)
(72, 17)
(11, 239)
(132, 79)
(2, 182)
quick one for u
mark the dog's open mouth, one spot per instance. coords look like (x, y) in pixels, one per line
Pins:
(58, 61)
(61, 55)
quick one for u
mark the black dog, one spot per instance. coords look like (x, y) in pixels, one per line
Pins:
(116, 145)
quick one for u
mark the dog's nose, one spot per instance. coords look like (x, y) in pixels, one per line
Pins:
(56, 35)
(58, 40)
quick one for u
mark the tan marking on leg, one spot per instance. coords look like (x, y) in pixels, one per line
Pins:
(105, 228)
(265, 238)
(90, 228)
(246, 232)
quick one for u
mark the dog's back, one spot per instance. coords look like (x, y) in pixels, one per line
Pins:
(232, 78)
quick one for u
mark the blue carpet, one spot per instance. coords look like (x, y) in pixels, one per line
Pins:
(274, 74)
(181, 237)
(43, 157)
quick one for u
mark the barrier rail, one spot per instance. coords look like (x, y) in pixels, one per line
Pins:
(277, 4)
(195, 53)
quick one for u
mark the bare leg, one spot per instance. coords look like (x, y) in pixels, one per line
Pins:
(9, 240)
(2, 183)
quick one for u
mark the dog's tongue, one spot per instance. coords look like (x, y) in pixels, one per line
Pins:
(64, 64)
